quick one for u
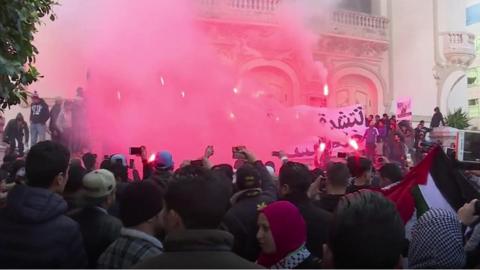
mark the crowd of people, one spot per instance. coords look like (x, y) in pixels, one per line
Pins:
(66, 119)
(60, 212)
(398, 140)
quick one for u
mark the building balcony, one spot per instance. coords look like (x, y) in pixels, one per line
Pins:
(337, 23)
(458, 48)
(242, 11)
(360, 25)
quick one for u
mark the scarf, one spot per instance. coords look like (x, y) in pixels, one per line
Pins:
(288, 230)
(437, 241)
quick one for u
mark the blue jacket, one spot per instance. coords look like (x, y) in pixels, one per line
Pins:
(35, 233)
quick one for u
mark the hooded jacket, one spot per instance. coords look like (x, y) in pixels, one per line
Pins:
(35, 233)
(39, 113)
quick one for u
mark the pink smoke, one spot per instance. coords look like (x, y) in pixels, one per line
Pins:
(156, 80)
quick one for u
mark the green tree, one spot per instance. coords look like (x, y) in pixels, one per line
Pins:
(458, 119)
(19, 20)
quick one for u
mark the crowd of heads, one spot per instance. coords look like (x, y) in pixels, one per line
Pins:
(335, 217)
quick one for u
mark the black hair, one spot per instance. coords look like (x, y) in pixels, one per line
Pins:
(366, 232)
(196, 194)
(226, 169)
(44, 162)
(89, 161)
(317, 172)
(296, 176)
(106, 164)
(119, 171)
(338, 174)
(14, 168)
(75, 176)
(391, 171)
(358, 165)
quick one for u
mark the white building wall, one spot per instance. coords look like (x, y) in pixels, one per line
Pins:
(412, 55)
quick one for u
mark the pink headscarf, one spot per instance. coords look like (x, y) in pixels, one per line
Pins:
(288, 229)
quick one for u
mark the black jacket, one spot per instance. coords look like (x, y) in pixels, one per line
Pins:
(241, 219)
(15, 131)
(35, 233)
(317, 220)
(99, 230)
(39, 113)
(328, 202)
(54, 112)
(437, 118)
(201, 249)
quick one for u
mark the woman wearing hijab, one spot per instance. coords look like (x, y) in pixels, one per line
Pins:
(282, 234)
(437, 241)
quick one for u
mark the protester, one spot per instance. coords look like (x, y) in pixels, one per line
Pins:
(89, 161)
(390, 173)
(73, 187)
(225, 173)
(361, 170)
(282, 236)
(54, 112)
(437, 118)
(367, 232)
(79, 122)
(140, 214)
(436, 241)
(370, 137)
(64, 124)
(386, 123)
(468, 215)
(398, 151)
(255, 189)
(195, 203)
(118, 166)
(294, 180)
(162, 168)
(34, 232)
(336, 186)
(39, 115)
(15, 131)
(99, 229)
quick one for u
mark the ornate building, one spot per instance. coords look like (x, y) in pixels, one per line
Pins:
(350, 45)
(374, 51)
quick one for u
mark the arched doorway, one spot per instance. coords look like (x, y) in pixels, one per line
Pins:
(354, 89)
(268, 82)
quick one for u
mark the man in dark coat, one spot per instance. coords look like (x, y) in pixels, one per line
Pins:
(54, 112)
(15, 132)
(34, 232)
(256, 189)
(99, 229)
(337, 181)
(437, 118)
(294, 180)
(195, 203)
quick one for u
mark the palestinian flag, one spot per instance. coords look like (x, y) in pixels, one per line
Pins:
(433, 183)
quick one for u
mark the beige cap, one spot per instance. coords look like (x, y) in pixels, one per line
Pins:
(98, 183)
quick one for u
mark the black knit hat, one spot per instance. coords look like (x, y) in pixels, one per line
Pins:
(140, 202)
(247, 177)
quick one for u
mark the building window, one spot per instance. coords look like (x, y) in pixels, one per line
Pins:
(364, 6)
(474, 107)
(473, 14)
(473, 77)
